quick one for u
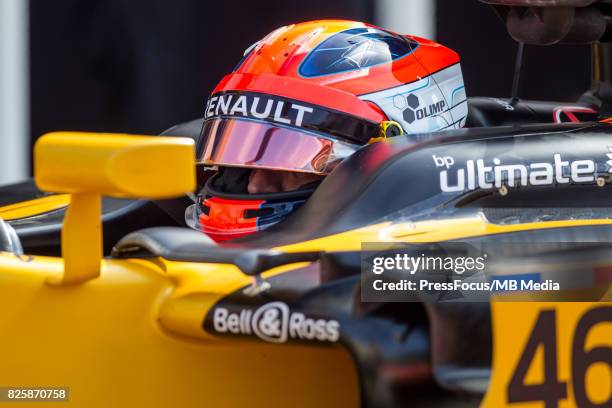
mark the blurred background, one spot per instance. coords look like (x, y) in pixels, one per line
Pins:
(143, 66)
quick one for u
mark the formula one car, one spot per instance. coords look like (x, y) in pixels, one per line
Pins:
(124, 305)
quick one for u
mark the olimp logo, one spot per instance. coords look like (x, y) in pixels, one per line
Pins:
(274, 322)
(477, 174)
(412, 109)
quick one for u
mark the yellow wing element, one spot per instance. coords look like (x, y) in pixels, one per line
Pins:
(89, 165)
(115, 165)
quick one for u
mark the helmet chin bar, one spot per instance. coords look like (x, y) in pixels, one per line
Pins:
(224, 215)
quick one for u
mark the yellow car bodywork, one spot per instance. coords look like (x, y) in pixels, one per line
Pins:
(131, 335)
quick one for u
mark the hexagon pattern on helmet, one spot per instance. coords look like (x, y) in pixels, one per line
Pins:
(435, 102)
(413, 101)
(409, 112)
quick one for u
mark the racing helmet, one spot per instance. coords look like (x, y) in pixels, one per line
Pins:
(307, 96)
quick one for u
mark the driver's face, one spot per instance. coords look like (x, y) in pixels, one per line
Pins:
(275, 181)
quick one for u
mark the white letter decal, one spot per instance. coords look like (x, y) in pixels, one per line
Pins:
(240, 106)
(277, 113)
(460, 181)
(266, 113)
(300, 116)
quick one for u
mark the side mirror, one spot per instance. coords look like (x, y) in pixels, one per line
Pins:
(89, 165)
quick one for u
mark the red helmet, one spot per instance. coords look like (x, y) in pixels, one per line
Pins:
(307, 96)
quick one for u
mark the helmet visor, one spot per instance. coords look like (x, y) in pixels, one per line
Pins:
(254, 144)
